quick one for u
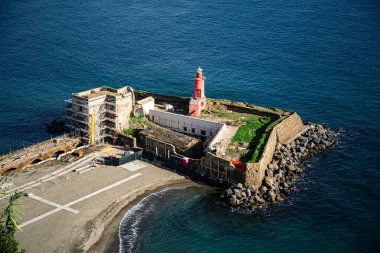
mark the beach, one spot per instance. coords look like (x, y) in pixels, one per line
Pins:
(109, 240)
(81, 212)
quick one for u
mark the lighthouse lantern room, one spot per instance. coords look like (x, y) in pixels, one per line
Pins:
(198, 100)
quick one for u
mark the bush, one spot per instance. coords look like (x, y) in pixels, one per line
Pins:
(8, 222)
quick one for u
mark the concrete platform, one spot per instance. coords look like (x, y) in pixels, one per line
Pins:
(60, 216)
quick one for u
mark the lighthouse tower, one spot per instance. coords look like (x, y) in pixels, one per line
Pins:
(198, 100)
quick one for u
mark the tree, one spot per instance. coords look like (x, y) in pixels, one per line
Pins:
(9, 221)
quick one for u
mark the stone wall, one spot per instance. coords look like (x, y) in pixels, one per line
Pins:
(124, 140)
(251, 109)
(289, 128)
(282, 132)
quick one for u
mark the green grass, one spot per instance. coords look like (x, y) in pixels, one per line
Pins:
(260, 147)
(228, 115)
(256, 133)
(136, 124)
(231, 150)
(131, 132)
(251, 129)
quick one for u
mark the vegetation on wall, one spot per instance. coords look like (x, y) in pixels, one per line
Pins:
(136, 124)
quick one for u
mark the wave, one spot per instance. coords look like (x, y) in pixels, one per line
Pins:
(135, 218)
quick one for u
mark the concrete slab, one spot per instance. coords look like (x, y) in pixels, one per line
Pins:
(133, 166)
(58, 217)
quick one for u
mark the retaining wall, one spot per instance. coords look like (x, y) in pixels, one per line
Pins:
(282, 132)
(123, 140)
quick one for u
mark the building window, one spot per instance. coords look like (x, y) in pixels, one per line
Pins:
(152, 118)
(203, 132)
(185, 129)
(193, 130)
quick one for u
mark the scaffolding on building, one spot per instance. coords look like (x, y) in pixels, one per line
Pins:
(79, 120)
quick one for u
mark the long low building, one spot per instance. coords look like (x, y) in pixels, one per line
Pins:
(210, 132)
(184, 144)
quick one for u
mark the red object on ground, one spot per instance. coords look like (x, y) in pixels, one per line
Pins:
(239, 166)
(185, 162)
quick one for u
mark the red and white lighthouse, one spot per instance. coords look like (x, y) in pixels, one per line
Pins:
(198, 100)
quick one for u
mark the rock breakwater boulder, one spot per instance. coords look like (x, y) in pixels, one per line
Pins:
(282, 172)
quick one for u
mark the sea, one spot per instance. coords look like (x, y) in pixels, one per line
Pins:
(316, 57)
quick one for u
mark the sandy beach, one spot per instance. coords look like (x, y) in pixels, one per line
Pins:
(76, 212)
(109, 240)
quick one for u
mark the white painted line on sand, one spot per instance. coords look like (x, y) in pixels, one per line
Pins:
(79, 200)
(39, 217)
(68, 168)
(31, 195)
(104, 189)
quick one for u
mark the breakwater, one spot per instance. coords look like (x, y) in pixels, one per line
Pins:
(281, 174)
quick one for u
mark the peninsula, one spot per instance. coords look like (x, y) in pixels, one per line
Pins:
(123, 142)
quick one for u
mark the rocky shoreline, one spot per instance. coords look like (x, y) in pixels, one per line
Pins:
(282, 172)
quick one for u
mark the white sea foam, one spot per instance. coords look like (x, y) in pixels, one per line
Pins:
(130, 225)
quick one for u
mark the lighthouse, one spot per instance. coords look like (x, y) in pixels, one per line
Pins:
(198, 100)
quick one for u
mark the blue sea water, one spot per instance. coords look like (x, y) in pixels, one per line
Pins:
(320, 58)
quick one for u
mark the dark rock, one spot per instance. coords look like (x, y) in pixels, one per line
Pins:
(232, 200)
(228, 192)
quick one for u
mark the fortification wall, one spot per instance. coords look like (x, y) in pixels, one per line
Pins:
(288, 128)
(251, 109)
(284, 131)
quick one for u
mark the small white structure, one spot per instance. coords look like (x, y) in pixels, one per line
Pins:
(144, 105)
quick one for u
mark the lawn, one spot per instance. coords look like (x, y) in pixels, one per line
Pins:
(254, 132)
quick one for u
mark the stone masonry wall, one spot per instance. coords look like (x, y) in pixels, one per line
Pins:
(285, 130)
(289, 128)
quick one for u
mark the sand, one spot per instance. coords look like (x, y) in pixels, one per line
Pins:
(109, 240)
(99, 198)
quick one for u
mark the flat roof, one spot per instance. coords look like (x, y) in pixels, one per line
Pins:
(102, 91)
(182, 142)
(99, 93)
(145, 100)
